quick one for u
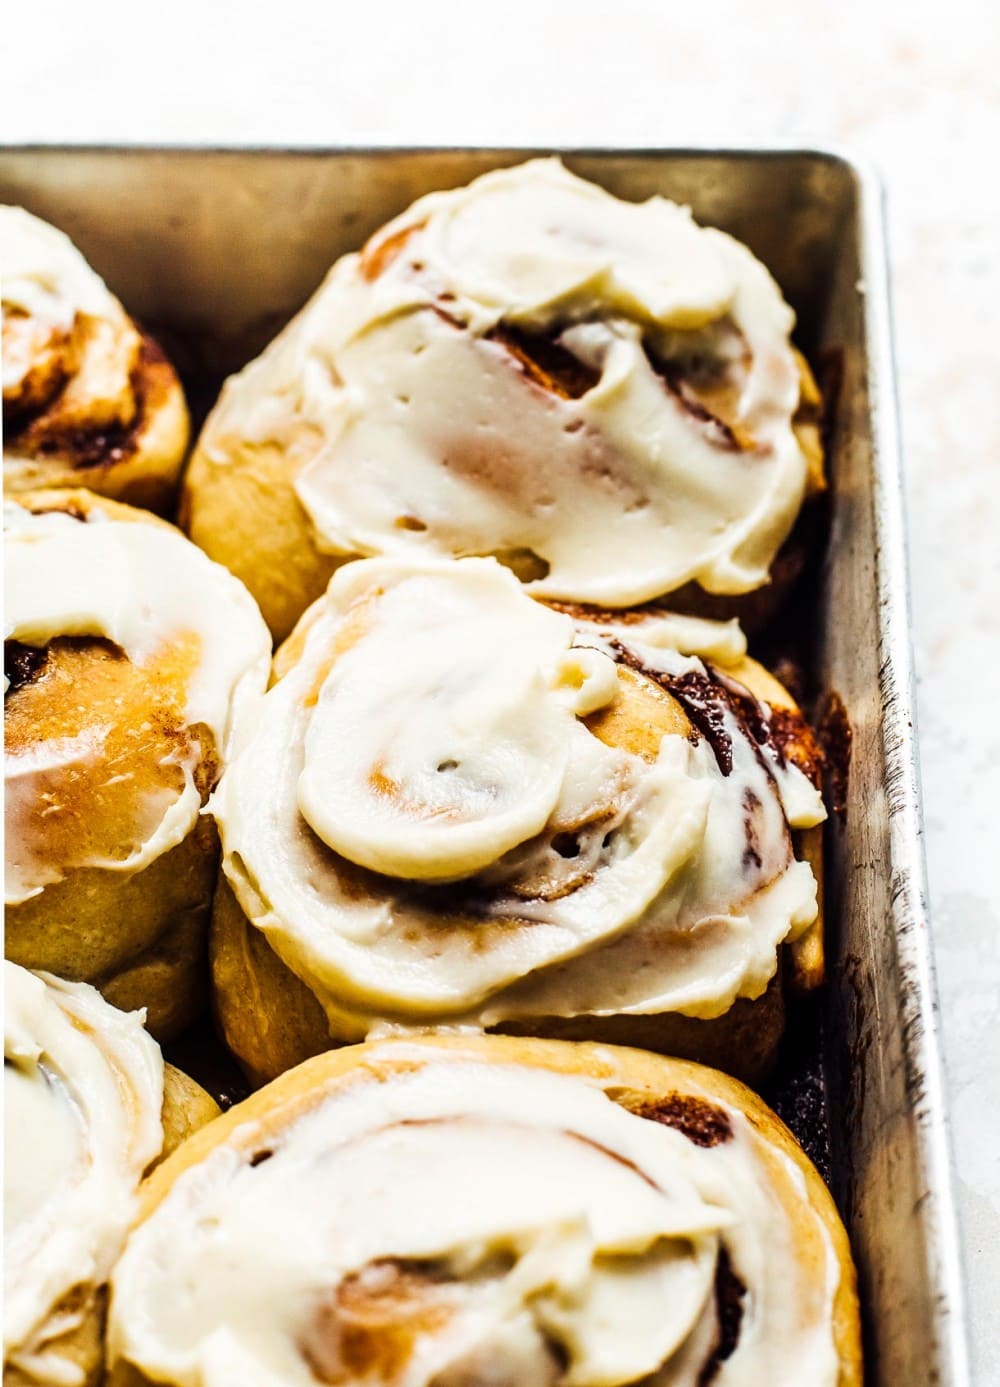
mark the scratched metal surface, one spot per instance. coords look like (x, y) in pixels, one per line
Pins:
(214, 249)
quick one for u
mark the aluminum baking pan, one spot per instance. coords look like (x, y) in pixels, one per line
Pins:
(214, 249)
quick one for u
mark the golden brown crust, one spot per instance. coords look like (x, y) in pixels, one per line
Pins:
(85, 683)
(80, 502)
(635, 1078)
(807, 423)
(743, 1041)
(807, 954)
(186, 1109)
(138, 936)
(266, 1015)
(245, 515)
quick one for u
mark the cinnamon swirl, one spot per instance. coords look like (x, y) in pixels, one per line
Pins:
(462, 1211)
(88, 1106)
(88, 398)
(459, 807)
(130, 659)
(603, 394)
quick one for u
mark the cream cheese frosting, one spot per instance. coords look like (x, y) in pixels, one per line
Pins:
(83, 1092)
(64, 331)
(427, 830)
(88, 397)
(460, 1222)
(141, 587)
(414, 424)
(46, 276)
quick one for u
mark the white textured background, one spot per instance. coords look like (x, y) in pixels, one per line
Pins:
(912, 86)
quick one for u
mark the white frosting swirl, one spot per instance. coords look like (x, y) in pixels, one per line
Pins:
(426, 828)
(83, 1092)
(142, 587)
(625, 491)
(464, 1223)
(439, 787)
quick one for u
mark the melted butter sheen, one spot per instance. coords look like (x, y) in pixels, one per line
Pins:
(465, 1223)
(83, 1089)
(620, 491)
(450, 810)
(195, 654)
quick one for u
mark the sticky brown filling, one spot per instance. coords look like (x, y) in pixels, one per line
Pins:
(39, 357)
(602, 616)
(706, 1126)
(791, 734)
(708, 698)
(730, 1293)
(708, 386)
(785, 730)
(21, 664)
(56, 429)
(701, 1122)
(703, 701)
(545, 362)
(706, 706)
(706, 375)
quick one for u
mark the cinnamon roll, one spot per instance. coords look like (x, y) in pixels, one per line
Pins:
(89, 399)
(130, 660)
(603, 394)
(462, 1211)
(460, 807)
(88, 1107)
